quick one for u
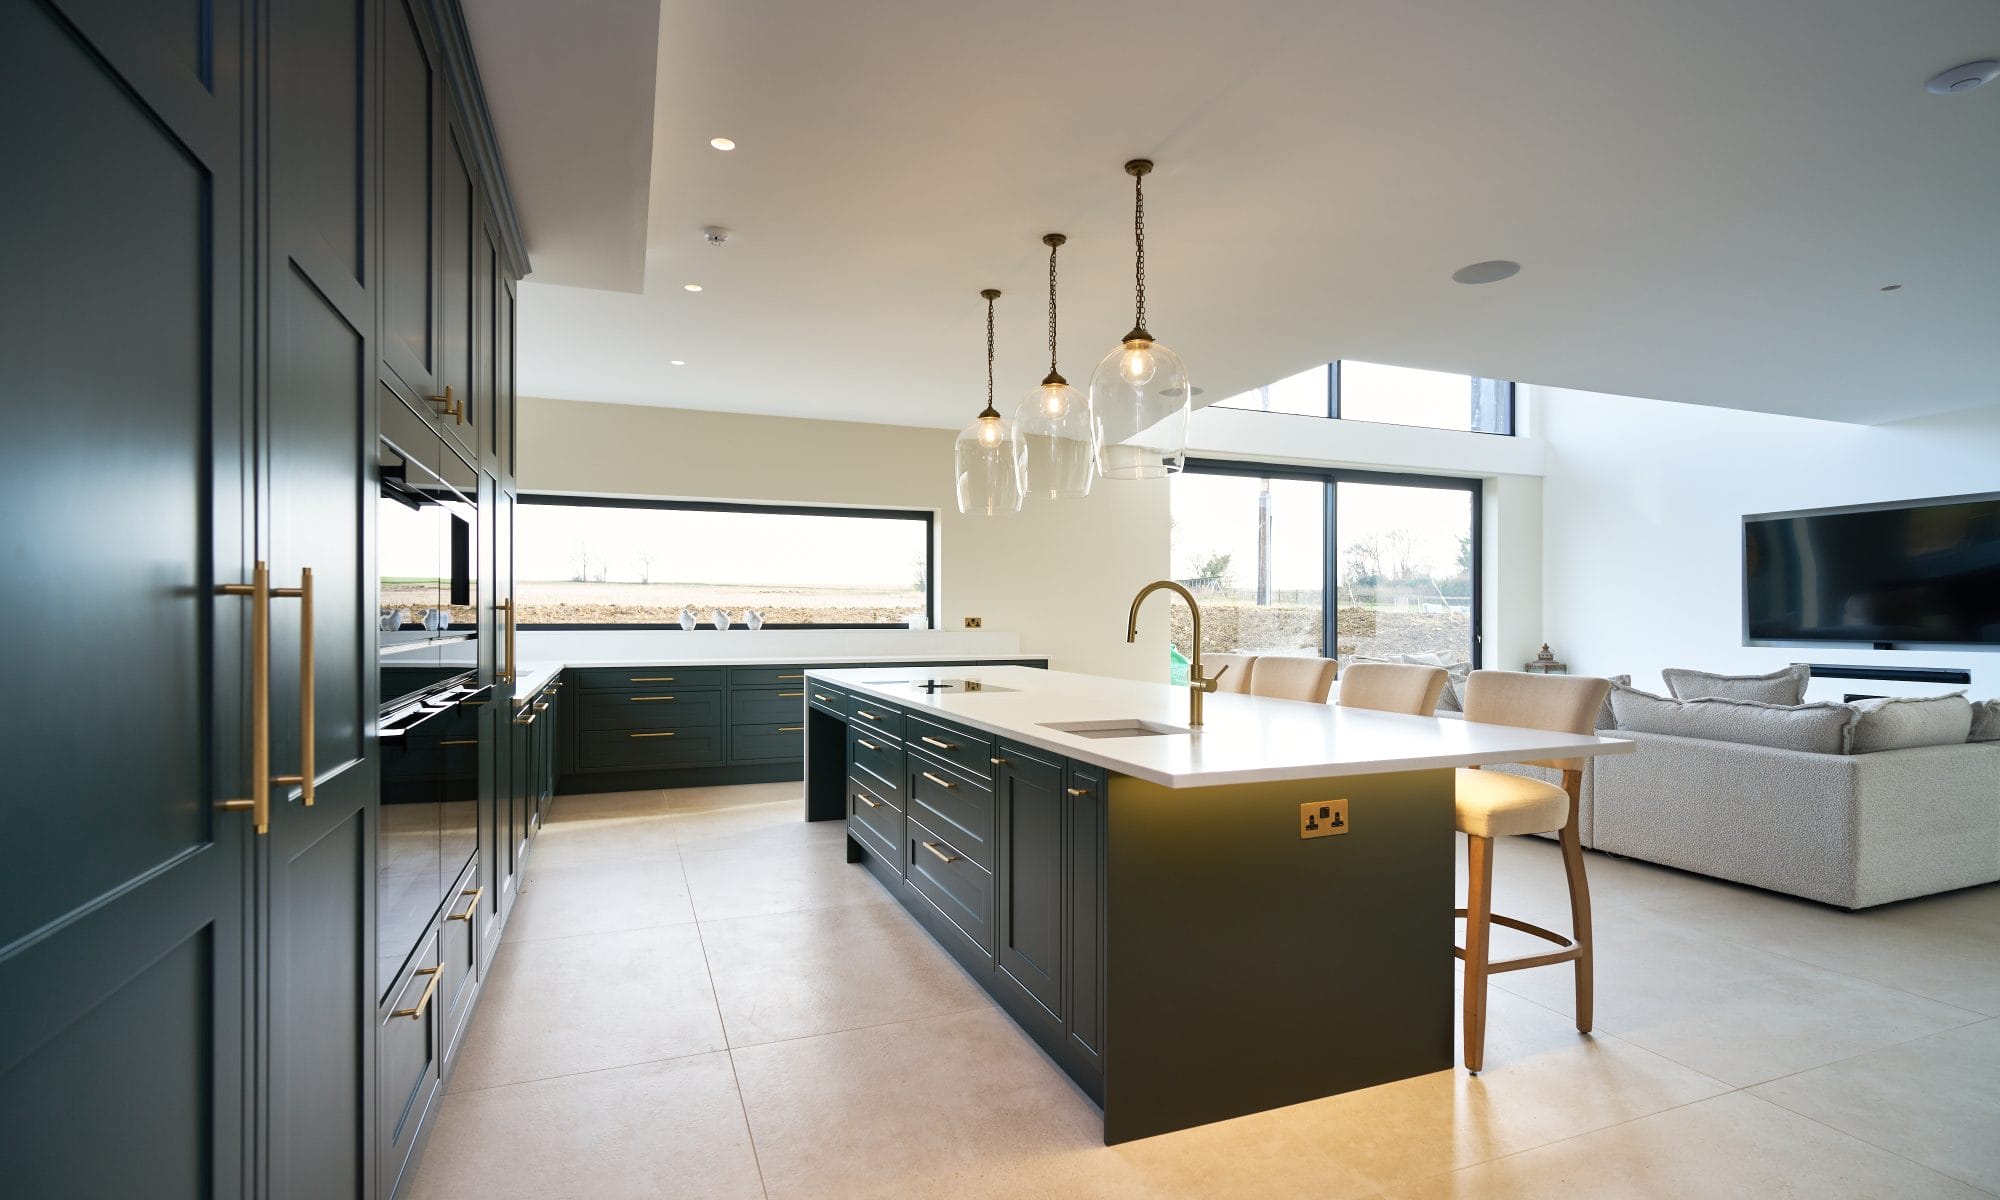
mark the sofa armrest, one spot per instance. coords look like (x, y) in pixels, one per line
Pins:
(1929, 820)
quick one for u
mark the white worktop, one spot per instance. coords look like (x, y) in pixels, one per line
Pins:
(530, 676)
(1244, 739)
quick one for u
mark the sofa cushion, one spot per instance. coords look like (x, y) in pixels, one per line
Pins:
(1606, 719)
(1985, 722)
(1787, 686)
(1902, 722)
(1815, 728)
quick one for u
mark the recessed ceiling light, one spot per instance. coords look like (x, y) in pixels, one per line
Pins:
(722, 143)
(1963, 78)
(1493, 270)
(692, 287)
(677, 362)
(1893, 287)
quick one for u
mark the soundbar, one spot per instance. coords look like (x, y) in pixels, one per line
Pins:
(1903, 674)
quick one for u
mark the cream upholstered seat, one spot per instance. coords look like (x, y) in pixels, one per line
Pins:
(1392, 687)
(1283, 677)
(1237, 677)
(1492, 805)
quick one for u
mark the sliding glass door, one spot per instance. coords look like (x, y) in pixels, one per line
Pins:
(1281, 555)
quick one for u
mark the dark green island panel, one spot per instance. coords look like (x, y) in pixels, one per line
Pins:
(1181, 953)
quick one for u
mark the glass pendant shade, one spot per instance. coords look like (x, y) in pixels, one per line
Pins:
(1141, 397)
(987, 463)
(1056, 428)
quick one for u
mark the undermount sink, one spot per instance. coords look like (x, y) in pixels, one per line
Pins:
(1114, 729)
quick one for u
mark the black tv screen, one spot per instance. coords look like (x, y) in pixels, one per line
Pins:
(1923, 571)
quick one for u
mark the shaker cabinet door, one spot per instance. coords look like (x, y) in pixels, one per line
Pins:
(1031, 875)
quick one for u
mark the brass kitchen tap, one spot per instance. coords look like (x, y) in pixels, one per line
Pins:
(1198, 684)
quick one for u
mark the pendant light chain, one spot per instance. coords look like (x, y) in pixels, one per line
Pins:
(1139, 239)
(1052, 307)
(991, 295)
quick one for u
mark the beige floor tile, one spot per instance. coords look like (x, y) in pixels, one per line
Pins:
(664, 1129)
(756, 827)
(592, 806)
(1740, 1014)
(1935, 1100)
(1730, 1146)
(821, 970)
(964, 1107)
(742, 795)
(603, 838)
(745, 882)
(562, 1005)
(600, 898)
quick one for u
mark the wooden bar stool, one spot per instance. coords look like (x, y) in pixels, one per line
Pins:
(1392, 687)
(1284, 677)
(1493, 804)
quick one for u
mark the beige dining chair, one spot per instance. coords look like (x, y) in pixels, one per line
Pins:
(1392, 687)
(1237, 677)
(1494, 804)
(1283, 677)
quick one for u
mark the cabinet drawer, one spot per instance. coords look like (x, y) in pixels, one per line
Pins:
(650, 748)
(879, 757)
(875, 820)
(790, 679)
(967, 749)
(953, 805)
(960, 888)
(767, 706)
(768, 743)
(869, 713)
(827, 699)
(407, 1064)
(650, 710)
(458, 954)
(592, 678)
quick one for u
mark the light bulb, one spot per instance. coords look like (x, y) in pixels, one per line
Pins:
(1055, 399)
(1136, 364)
(989, 431)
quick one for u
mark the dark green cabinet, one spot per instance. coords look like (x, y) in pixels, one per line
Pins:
(412, 114)
(1031, 819)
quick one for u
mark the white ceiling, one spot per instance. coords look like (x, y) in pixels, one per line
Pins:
(1705, 195)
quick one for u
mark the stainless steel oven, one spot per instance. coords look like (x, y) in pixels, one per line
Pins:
(433, 708)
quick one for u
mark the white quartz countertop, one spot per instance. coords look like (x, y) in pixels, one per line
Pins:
(530, 676)
(1244, 739)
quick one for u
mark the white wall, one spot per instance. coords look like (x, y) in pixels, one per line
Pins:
(1642, 507)
(1058, 574)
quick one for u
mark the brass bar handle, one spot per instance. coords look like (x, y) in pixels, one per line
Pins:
(541, 706)
(791, 729)
(259, 802)
(931, 741)
(865, 715)
(790, 695)
(1079, 791)
(449, 407)
(471, 908)
(506, 608)
(998, 762)
(942, 856)
(416, 1011)
(647, 735)
(822, 697)
(943, 783)
(652, 679)
(791, 677)
(867, 799)
(865, 744)
(527, 720)
(459, 742)
(647, 699)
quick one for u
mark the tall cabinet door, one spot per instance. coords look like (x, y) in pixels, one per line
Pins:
(317, 439)
(412, 126)
(123, 1056)
(1031, 817)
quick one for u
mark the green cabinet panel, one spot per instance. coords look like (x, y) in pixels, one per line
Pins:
(601, 711)
(1031, 901)
(767, 706)
(651, 748)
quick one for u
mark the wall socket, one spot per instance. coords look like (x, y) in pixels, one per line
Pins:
(1322, 818)
(974, 622)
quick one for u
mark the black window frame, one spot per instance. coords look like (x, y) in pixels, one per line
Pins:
(1333, 369)
(1329, 476)
(925, 516)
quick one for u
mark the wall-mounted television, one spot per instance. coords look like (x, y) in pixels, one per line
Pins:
(1915, 572)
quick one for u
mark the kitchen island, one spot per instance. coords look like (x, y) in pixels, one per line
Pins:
(1193, 924)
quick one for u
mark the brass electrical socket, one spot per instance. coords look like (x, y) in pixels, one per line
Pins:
(1322, 818)
(974, 622)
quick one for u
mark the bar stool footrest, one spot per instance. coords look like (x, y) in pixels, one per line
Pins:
(1570, 951)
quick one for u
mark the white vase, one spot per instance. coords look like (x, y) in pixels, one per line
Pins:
(720, 618)
(688, 619)
(752, 619)
(434, 619)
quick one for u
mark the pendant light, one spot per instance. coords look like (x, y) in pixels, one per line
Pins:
(987, 458)
(1054, 424)
(1140, 391)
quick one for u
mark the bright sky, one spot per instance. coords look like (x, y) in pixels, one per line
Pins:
(717, 547)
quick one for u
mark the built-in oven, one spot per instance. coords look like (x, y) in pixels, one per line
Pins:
(433, 708)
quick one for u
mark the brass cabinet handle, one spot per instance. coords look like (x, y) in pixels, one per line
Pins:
(652, 679)
(647, 699)
(865, 715)
(416, 1012)
(818, 696)
(998, 762)
(506, 608)
(451, 408)
(541, 706)
(791, 677)
(865, 744)
(942, 856)
(459, 742)
(530, 718)
(790, 695)
(867, 799)
(1078, 791)
(943, 783)
(646, 735)
(471, 908)
(261, 593)
(791, 729)
(931, 741)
